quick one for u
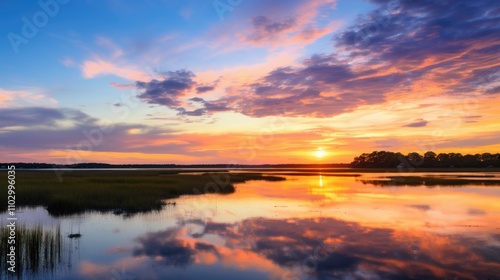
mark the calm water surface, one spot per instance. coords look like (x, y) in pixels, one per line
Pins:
(307, 227)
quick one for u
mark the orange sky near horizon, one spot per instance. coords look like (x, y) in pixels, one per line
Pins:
(264, 83)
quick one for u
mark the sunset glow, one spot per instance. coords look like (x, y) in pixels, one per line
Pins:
(250, 139)
(320, 153)
(252, 82)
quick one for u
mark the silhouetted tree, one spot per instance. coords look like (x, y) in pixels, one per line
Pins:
(430, 159)
(384, 159)
(415, 159)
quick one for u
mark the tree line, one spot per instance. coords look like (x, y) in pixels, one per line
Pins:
(384, 159)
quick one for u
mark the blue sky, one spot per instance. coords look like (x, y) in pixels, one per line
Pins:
(178, 76)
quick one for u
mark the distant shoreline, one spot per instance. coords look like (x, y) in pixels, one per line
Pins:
(259, 168)
(166, 166)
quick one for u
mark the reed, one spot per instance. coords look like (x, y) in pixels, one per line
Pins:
(38, 250)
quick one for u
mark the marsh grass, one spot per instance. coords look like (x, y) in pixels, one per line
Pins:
(38, 250)
(335, 171)
(104, 190)
(433, 181)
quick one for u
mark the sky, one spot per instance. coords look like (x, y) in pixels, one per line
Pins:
(246, 82)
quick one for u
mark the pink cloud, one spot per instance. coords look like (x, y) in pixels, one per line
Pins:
(122, 86)
(18, 98)
(98, 67)
(300, 28)
(272, 24)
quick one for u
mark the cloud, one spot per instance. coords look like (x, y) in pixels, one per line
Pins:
(471, 119)
(332, 248)
(422, 207)
(494, 90)
(211, 107)
(204, 89)
(208, 87)
(274, 24)
(98, 67)
(266, 29)
(21, 98)
(122, 86)
(193, 113)
(56, 134)
(450, 44)
(477, 141)
(322, 86)
(419, 123)
(165, 245)
(475, 212)
(173, 87)
(402, 48)
(36, 128)
(275, 32)
(39, 116)
(449, 39)
(167, 91)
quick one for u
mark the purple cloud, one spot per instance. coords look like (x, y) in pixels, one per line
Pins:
(39, 116)
(386, 51)
(419, 123)
(267, 29)
(407, 34)
(204, 89)
(167, 91)
(73, 130)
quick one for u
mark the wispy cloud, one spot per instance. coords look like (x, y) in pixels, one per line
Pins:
(418, 123)
(27, 97)
(97, 67)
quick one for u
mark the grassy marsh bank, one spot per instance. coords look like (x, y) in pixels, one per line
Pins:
(339, 171)
(105, 190)
(434, 181)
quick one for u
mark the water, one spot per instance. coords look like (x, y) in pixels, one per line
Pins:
(307, 227)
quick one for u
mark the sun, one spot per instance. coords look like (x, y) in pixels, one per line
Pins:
(320, 153)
